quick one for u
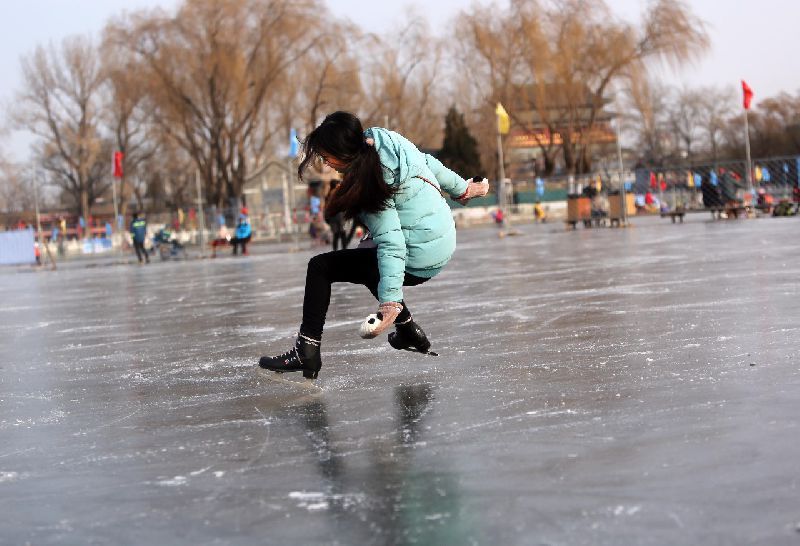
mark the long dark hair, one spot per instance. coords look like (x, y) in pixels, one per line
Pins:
(362, 188)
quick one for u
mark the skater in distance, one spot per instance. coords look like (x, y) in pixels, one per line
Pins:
(395, 191)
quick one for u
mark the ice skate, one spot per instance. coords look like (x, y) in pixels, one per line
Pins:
(408, 336)
(303, 357)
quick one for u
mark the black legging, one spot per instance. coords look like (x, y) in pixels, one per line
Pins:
(338, 234)
(138, 246)
(236, 241)
(356, 266)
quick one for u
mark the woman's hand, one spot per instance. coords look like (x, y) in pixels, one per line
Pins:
(388, 312)
(477, 187)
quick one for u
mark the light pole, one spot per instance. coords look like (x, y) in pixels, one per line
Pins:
(201, 213)
(38, 217)
(623, 203)
(503, 126)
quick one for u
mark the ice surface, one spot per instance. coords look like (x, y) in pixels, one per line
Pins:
(593, 387)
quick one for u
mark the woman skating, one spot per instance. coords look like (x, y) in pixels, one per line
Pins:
(394, 189)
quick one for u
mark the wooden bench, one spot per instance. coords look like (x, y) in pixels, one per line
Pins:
(716, 212)
(673, 214)
(735, 210)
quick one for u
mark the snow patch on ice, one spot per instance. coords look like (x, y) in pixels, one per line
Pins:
(249, 330)
(177, 480)
(314, 501)
(435, 517)
(9, 476)
(626, 510)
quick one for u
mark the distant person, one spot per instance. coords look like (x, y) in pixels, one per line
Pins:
(729, 188)
(711, 196)
(163, 237)
(338, 233)
(651, 203)
(539, 213)
(765, 200)
(139, 234)
(498, 217)
(336, 223)
(242, 234)
(599, 207)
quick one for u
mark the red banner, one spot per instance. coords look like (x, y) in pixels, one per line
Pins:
(118, 164)
(747, 95)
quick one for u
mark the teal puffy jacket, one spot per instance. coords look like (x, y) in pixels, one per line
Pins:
(416, 232)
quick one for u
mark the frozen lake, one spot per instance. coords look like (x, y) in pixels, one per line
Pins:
(634, 386)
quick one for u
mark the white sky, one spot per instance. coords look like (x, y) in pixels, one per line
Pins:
(750, 40)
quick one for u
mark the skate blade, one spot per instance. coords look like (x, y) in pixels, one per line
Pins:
(277, 377)
(427, 353)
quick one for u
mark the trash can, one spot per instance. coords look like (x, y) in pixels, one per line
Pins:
(579, 209)
(615, 211)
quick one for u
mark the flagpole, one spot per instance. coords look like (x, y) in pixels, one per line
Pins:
(502, 123)
(747, 97)
(624, 211)
(747, 153)
(501, 184)
(114, 226)
(39, 234)
(201, 213)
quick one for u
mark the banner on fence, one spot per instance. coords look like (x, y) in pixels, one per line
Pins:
(16, 247)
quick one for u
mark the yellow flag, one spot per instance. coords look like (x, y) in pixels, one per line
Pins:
(503, 122)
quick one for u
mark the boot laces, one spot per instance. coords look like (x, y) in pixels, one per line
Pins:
(290, 355)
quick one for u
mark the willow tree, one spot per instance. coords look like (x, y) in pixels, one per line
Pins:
(15, 194)
(60, 103)
(211, 71)
(403, 88)
(774, 127)
(555, 62)
(645, 103)
(326, 79)
(127, 114)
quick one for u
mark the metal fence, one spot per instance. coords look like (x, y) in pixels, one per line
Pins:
(772, 180)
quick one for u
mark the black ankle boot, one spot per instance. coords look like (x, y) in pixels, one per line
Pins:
(303, 357)
(410, 337)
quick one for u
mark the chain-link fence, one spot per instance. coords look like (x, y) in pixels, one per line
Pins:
(698, 186)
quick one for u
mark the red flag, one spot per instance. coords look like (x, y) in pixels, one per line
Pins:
(118, 164)
(748, 95)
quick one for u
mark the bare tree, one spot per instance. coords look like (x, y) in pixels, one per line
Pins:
(683, 117)
(128, 116)
(555, 61)
(15, 194)
(327, 78)
(212, 69)
(646, 113)
(60, 104)
(773, 127)
(401, 86)
(714, 106)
